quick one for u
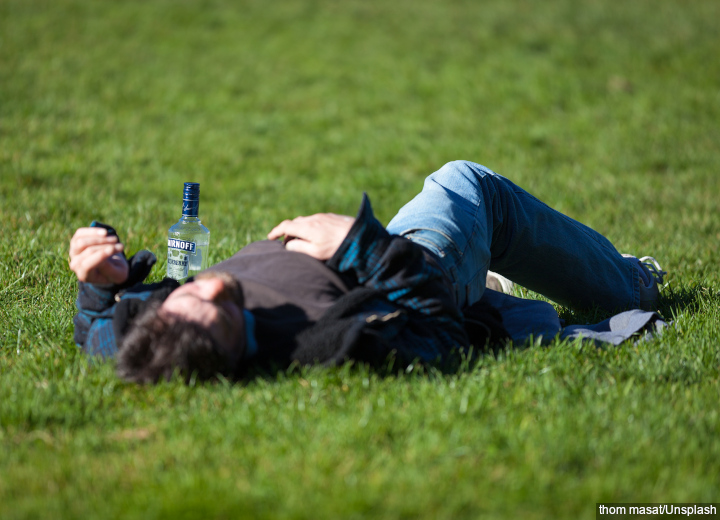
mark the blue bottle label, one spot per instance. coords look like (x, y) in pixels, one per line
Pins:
(181, 245)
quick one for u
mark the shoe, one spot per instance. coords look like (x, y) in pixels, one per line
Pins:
(499, 283)
(651, 276)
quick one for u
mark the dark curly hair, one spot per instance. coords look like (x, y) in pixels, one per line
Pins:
(156, 346)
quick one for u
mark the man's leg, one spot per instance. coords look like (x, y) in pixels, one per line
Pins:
(475, 220)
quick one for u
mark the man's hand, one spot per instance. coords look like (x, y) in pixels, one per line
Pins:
(318, 235)
(96, 257)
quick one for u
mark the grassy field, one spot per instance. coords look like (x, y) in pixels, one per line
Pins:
(609, 111)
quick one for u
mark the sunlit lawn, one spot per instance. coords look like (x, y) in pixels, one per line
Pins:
(608, 111)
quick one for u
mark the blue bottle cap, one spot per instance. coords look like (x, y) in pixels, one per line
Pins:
(191, 199)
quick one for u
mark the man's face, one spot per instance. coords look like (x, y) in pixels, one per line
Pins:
(214, 301)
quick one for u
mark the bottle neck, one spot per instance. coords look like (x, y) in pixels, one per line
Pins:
(190, 208)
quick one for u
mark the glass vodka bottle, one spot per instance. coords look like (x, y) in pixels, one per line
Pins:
(188, 240)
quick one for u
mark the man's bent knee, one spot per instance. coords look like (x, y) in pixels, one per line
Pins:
(463, 178)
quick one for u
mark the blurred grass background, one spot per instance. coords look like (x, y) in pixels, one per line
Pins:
(608, 111)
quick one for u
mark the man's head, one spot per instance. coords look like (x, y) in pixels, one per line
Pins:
(199, 329)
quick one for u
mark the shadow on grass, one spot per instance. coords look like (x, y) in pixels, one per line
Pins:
(457, 362)
(690, 298)
(671, 302)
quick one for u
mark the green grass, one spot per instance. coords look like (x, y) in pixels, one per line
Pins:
(606, 110)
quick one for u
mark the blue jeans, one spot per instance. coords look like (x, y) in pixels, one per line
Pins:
(475, 220)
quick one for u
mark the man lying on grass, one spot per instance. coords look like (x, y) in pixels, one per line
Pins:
(339, 288)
